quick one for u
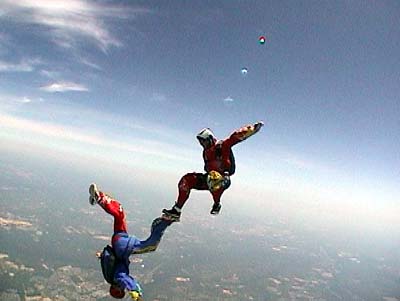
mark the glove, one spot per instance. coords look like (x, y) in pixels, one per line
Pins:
(258, 125)
(249, 130)
(135, 295)
(226, 182)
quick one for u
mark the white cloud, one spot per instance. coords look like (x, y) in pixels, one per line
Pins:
(229, 99)
(70, 20)
(26, 100)
(64, 87)
(26, 65)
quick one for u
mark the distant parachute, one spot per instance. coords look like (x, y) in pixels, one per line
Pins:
(261, 40)
(244, 71)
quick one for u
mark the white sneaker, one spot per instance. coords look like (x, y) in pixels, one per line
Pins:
(94, 194)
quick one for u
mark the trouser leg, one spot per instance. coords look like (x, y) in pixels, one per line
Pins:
(187, 183)
(113, 207)
(157, 231)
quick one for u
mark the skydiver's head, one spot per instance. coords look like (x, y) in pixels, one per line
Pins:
(206, 138)
(117, 292)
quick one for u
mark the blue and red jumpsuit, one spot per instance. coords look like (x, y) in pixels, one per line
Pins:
(217, 157)
(124, 245)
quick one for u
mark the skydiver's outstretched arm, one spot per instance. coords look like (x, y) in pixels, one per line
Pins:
(158, 227)
(243, 133)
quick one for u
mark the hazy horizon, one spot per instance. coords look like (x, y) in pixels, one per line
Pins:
(114, 92)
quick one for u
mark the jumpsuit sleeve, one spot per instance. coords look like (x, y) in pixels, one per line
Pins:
(243, 133)
(125, 281)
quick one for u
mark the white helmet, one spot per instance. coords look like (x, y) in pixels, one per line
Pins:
(206, 135)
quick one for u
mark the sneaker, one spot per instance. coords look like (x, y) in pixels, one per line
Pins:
(94, 194)
(215, 208)
(172, 214)
(169, 219)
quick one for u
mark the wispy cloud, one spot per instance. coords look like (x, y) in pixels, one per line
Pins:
(70, 20)
(89, 63)
(64, 87)
(27, 65)
(50, 74)
(46, 129)
(115, 123)
(70, 134)
(26, 100)
(10, 99)
(229, 99)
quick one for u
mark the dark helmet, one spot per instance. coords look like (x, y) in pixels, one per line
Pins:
(117, 292)
(206, 137)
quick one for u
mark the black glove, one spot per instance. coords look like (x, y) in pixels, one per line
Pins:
(258, 125)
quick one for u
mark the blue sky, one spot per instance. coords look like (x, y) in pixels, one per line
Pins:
(134, 81)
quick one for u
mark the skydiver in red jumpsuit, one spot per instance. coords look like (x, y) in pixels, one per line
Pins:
(219, 164)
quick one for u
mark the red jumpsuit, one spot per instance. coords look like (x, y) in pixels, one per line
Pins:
(218, 157)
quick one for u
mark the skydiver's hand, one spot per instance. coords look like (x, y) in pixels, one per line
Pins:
(135, 295)
(258, 125)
